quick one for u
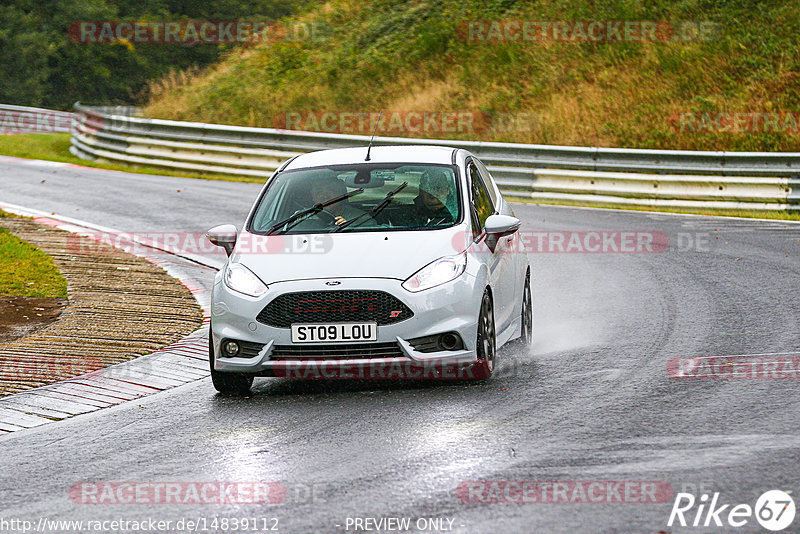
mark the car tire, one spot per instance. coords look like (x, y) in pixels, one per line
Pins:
(526, 326)
(227, 383)
(486, 348)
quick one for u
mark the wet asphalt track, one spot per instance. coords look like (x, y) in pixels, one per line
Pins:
(590, 401)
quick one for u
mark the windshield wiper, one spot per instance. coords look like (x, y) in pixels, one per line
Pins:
(316, 208)
(377, 209)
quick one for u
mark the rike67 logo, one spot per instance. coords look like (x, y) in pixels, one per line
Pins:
(774, 510)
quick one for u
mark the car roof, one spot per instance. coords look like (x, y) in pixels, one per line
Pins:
(378, 154)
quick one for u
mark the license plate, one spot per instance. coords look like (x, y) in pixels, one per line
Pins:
(334, 333)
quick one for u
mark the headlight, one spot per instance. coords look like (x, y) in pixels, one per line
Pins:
(242, 280)
(437, 273)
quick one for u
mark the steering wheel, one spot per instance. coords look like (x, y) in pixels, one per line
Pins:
(326, 216)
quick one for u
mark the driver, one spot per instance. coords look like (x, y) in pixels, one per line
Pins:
(331, 187)
(430, 205)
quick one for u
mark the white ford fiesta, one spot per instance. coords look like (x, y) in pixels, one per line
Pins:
(389, 262)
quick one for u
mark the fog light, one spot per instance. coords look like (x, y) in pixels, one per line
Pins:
(449, 341)
(230, 348)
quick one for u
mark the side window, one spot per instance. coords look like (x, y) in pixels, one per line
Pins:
(479, 197)
(476, 228)
(488, 180)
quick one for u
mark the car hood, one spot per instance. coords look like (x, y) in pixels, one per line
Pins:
(279, 258)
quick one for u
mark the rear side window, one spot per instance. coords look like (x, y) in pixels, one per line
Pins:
(481, 202)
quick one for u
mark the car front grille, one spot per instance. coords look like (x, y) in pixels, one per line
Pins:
(334, 307)
(337, 352)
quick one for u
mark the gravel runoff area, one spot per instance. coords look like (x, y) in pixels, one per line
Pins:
(120, 307)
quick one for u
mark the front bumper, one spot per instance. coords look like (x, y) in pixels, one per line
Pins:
(451, 307)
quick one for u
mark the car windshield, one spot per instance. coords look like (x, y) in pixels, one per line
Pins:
(372, 197)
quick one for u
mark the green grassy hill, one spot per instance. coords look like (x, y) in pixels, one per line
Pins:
(680, 91)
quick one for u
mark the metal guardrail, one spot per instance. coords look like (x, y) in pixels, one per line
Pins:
(595, 176)
(23, 119)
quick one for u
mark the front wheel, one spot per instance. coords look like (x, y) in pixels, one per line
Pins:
(227, 383)
(486, 348)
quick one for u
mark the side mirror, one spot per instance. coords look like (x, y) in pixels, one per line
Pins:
(501, 225)
(223, 236)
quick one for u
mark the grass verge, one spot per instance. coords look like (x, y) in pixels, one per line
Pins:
(26, 271)
(55, 147)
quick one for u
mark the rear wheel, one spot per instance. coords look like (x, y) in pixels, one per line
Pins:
(486, 348)
(227, 383)
(527, 312)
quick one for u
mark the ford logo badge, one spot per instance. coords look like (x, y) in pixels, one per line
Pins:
(333, 283)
